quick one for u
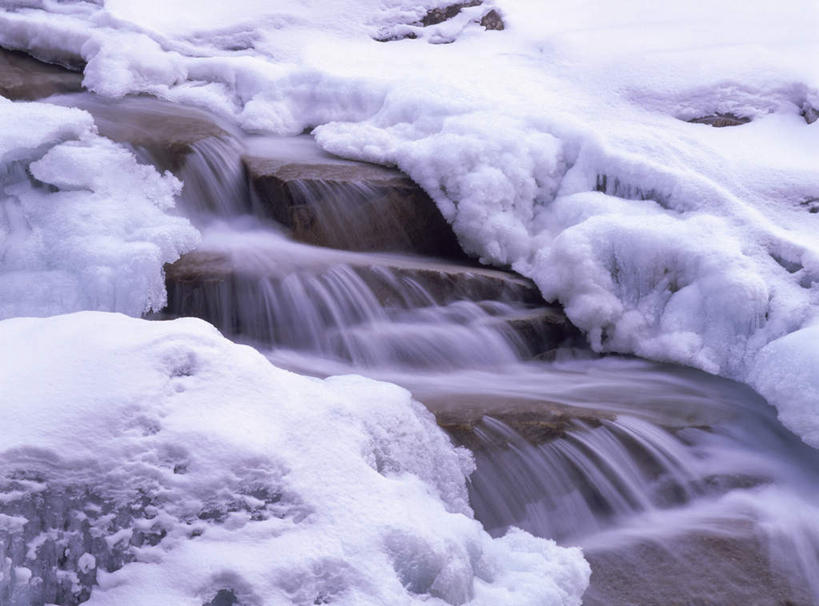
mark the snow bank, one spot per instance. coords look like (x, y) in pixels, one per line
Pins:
(198, 471)
(559, 146)
(82, 224)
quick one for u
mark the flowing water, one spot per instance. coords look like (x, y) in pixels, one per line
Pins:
(682, 488)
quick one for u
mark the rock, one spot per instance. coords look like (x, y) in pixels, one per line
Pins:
(720, 120)
(536, 421)
(166, 131)
(692, 569)
(23, 78)
(811, 204)
(492, 20)
(350, 206)
(386, 276)
(259, 294)
(439, 15)
(809, 113)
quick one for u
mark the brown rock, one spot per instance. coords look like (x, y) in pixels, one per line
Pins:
(351, 206)
(23, 78)
(693, 569)
(167, 131)
(721, 120)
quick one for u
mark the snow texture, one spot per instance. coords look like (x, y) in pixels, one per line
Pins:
(180, 468)
(82, 224)
(561, 146)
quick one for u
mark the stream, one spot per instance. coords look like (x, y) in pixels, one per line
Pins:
(681, 488)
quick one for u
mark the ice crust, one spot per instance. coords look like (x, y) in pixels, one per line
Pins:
(82, 224)
(184, 465)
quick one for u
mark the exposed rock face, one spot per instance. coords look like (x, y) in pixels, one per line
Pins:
(23, 78)
(351, 206)
(811, 204)
(721, 120)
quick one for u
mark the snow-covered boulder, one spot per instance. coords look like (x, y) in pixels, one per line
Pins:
(158, 463)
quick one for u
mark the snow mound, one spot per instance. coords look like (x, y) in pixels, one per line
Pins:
(82, 224)
(171, 466)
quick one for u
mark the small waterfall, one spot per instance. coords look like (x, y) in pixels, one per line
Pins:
(368, 310)
(682, 488)
(660, 507)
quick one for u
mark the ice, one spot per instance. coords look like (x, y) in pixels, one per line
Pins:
(177, 465)
(83, 225)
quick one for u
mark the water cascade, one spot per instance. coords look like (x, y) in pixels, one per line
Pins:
(681, 487)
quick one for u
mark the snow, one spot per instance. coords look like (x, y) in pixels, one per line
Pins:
(785, 371)
(276, 487)
(82, 224)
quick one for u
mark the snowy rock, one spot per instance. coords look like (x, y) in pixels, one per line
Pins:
(73, 236)
(193, 471)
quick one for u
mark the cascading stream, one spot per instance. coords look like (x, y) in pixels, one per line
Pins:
(682, 488)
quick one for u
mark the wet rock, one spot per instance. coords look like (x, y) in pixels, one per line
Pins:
(262, 296)
(386, 276)
(721, 120)
(23, 78)
(165, 131)
(692, 569)
(351, 206)
(536, 421)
